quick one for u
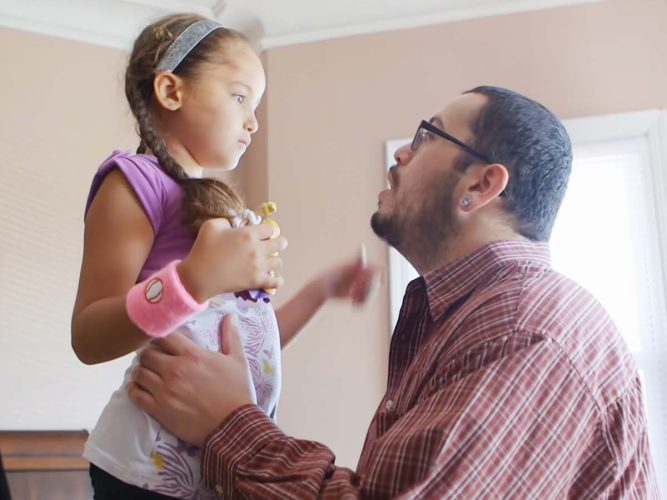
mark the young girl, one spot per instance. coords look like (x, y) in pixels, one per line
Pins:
(167, 248)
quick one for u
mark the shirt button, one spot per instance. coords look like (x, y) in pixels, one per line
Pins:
(389, 405)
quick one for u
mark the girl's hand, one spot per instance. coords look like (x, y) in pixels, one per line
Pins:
(223, 259)
(354, 279)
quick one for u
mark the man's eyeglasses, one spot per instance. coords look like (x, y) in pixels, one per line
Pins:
(426, 128)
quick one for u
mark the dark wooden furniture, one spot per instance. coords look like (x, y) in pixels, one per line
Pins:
(46, 465)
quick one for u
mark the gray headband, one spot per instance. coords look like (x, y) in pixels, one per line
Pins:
(184, 43)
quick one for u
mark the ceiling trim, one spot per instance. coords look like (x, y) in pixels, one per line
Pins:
(114, 40)
(211, 8)
(511, 7)
(116, 23)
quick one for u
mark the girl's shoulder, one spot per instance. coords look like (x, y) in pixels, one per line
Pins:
(134, 165)
(156, 191)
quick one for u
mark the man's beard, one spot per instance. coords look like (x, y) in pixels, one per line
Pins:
(427, 229)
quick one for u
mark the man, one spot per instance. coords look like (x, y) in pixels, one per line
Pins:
(505, 378)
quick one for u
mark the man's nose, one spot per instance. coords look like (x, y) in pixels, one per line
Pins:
(402, 155)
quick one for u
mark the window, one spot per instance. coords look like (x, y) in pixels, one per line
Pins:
(611, 237)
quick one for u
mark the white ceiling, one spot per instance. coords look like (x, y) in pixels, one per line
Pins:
(271, 23)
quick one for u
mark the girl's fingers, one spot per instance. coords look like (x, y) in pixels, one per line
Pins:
(365, 286)
(272, 264)
(260, 231)
(273, 281)
(274, 246)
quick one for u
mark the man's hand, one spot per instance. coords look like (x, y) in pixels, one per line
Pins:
(188, 389)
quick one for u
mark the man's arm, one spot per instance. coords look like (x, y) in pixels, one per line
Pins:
(248, 456)
(509, 418)
(497, 425)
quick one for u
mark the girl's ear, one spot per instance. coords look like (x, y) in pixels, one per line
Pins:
(168, 90)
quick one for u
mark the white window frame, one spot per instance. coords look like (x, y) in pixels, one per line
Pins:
(650, 124)
(651, 127)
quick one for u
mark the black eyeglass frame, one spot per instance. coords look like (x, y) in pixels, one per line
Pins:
(416, 140)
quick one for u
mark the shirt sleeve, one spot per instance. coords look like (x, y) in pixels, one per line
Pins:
(491, 424)
(144, 178)
(248, 456)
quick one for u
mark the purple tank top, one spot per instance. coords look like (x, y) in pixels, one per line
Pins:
(160, 196)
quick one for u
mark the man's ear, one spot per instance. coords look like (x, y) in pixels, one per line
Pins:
(483, 184)
(168, 90)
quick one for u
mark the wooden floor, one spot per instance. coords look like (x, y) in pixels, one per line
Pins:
(46, 465)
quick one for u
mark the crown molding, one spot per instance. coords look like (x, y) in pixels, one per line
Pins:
(409, 22)
(111, 23)
(116, 23)
(209, 8)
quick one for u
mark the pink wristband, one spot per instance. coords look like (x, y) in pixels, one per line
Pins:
(160, 304)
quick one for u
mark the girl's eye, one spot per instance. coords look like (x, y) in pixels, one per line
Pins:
(239, 98)
(426, 135)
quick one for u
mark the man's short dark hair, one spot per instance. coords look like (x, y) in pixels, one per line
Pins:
(532, 143)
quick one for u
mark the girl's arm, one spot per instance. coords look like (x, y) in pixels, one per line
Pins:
(294, 315)
(354, 280)
(117, 239)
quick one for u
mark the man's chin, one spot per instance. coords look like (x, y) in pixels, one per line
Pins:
(384, 228)
(377, 225)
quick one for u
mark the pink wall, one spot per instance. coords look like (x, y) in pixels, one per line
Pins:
(329, 108)
(62, 112)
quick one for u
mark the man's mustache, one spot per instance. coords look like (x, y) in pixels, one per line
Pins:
(393, 177)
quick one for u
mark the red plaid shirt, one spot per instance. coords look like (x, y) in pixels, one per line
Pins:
(505, 380)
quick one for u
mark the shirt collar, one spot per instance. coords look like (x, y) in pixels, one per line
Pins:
(457, 279)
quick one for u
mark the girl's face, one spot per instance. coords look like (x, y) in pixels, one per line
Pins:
(214, 122)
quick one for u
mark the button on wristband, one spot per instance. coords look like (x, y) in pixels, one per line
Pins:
(160, 304)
